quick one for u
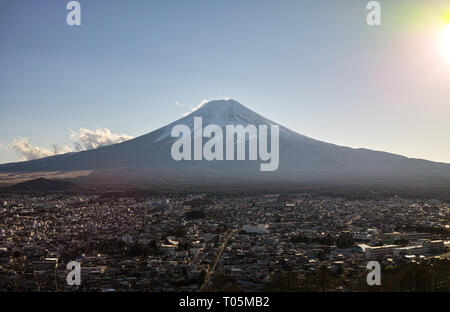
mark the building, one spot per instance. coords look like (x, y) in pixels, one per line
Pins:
(426, 247)
(379, 251)
(259, 229)
(434, 245)
(127, 239)
(410, 250)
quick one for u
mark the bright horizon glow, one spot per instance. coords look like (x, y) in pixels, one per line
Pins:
(446, 43)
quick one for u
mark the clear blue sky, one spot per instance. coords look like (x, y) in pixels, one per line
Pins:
(314, 66)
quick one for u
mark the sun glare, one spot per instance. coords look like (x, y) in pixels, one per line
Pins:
(446, 43)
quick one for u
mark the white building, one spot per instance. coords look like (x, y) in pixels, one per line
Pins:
(259, 229)
(426, 247)
(410, 250)
(379, 251)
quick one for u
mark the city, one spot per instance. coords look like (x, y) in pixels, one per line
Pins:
(225, 155)
(131, 241)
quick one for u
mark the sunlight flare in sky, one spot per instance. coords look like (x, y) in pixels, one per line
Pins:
(446, 43)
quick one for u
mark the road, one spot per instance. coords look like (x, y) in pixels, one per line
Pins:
(216, 260)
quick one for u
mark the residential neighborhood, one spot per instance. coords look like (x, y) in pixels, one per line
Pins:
(210, 242)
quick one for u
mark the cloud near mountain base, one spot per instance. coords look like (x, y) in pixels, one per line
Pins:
(28, 151)
(85, 139)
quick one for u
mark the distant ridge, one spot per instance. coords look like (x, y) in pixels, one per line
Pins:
(41, 185)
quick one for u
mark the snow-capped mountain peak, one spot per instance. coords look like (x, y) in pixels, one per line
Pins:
(221, 113)
(227, 112)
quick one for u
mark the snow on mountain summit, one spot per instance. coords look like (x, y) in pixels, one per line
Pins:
(228, 112)
(221, 113)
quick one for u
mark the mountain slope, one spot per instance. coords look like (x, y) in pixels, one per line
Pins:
(300, 156)
(41, 185)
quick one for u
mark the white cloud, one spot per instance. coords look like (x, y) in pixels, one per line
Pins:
(85, 139)
(57, 150)
(28, 151)
(3, 146)
(178, 104)
(196, 107)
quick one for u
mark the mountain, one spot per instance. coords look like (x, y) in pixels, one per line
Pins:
(41, 185)
(147, 159)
